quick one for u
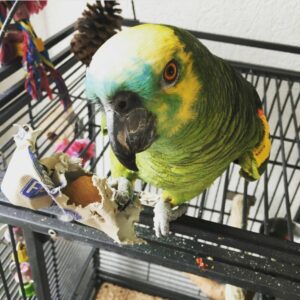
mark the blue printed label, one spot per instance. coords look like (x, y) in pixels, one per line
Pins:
(75, 216)
(33, 189)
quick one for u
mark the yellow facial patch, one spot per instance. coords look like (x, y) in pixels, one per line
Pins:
(262, 151)
(188, 89)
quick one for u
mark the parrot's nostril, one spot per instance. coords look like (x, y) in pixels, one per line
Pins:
(122, 105)
(125, 101)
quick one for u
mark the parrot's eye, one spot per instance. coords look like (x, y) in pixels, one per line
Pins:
(170, 72)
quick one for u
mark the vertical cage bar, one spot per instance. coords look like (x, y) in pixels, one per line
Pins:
(55, 267)
(37, 262)
(213, 210)
(297, 216)
(224, 196)
(133, 9)
(266, 203)
(31, 118)
(202, 204)
(266, 179)
(148, 271)
(16, 258)
(96, 265)
(245, 205)
(2, 275)
(91, 122)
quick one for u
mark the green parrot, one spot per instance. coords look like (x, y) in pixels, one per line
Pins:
(176, 114)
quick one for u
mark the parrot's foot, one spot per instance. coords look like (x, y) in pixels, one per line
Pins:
(123, 191)
(164, 214)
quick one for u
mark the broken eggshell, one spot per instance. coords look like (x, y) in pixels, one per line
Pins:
(106, 216)
(103, 213)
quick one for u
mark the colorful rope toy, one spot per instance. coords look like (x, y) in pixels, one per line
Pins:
(21, 40)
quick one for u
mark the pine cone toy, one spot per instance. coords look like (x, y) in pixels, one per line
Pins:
(98, 23)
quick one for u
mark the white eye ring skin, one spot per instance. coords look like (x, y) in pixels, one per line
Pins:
(170, 74)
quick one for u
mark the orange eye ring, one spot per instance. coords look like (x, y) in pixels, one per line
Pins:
(170, 71)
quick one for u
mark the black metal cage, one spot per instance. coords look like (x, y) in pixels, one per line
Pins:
(69, 260)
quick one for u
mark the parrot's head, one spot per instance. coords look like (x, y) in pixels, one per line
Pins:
(145, 79)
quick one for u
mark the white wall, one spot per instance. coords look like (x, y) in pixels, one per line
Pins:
(57, 15)
(269, 20)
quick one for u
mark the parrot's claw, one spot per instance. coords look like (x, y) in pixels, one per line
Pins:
(123, 191)
(163, 214)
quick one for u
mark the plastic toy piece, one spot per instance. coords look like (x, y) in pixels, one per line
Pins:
(29, 289)
(22, 253)
(26, 273)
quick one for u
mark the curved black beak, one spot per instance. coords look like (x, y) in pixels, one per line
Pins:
(131, 128)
